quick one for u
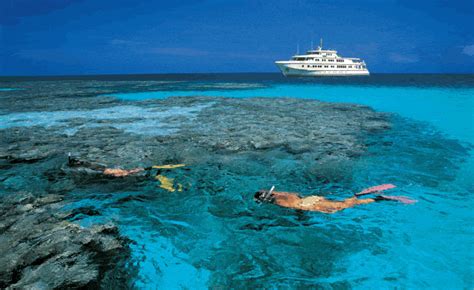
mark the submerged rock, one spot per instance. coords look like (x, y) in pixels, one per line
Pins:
(198, 130)
(214, 123)
(233, 147)
(220, 138)
(41, 249)
(298, 126)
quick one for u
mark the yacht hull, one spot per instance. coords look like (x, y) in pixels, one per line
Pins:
(290, 69)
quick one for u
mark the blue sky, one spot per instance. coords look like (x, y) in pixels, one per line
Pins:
(100, 37)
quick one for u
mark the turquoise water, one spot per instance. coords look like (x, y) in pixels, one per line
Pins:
(427, 245)
(214, 235)
(8, 89)
(449, 109)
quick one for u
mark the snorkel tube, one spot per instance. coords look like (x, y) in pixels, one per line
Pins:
(266, 196)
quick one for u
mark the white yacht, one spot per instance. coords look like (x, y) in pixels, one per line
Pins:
(322, 62)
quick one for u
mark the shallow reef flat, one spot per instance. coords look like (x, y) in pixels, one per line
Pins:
(42, 237)
(121, 232)
(190, 130)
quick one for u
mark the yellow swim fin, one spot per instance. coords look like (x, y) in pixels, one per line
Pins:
(166, 183)
(168, 166)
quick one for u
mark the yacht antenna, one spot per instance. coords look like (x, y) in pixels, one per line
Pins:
(297, 48)
(321, 43)
(311, 44)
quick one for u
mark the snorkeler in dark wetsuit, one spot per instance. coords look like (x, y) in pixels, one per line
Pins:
(94, 168)
(321, 204)
(98, 168)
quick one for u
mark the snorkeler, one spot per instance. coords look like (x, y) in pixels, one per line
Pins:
(321, 204)
(94, 168)
(98, 168)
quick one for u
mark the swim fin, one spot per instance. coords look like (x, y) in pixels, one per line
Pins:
(402, 199)
(374, 189)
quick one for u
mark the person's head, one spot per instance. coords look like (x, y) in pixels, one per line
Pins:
(264, 196)
(74, 161)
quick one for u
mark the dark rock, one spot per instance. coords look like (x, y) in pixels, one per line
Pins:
(42, 249)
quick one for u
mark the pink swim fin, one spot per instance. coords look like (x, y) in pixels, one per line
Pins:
(402, 199)
(374, 189)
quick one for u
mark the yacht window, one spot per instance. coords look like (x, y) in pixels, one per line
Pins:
(332, 66)
(325, 66)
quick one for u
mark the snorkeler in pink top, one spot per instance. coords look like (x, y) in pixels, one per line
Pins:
(321, 204)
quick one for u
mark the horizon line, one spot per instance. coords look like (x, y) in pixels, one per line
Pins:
(213, 73)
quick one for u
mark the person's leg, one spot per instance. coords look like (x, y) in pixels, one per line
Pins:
(319, 203)
(349, 202)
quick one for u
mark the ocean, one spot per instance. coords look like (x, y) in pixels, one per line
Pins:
(236, 134)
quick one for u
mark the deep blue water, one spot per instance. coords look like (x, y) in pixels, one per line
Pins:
(429, 156)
